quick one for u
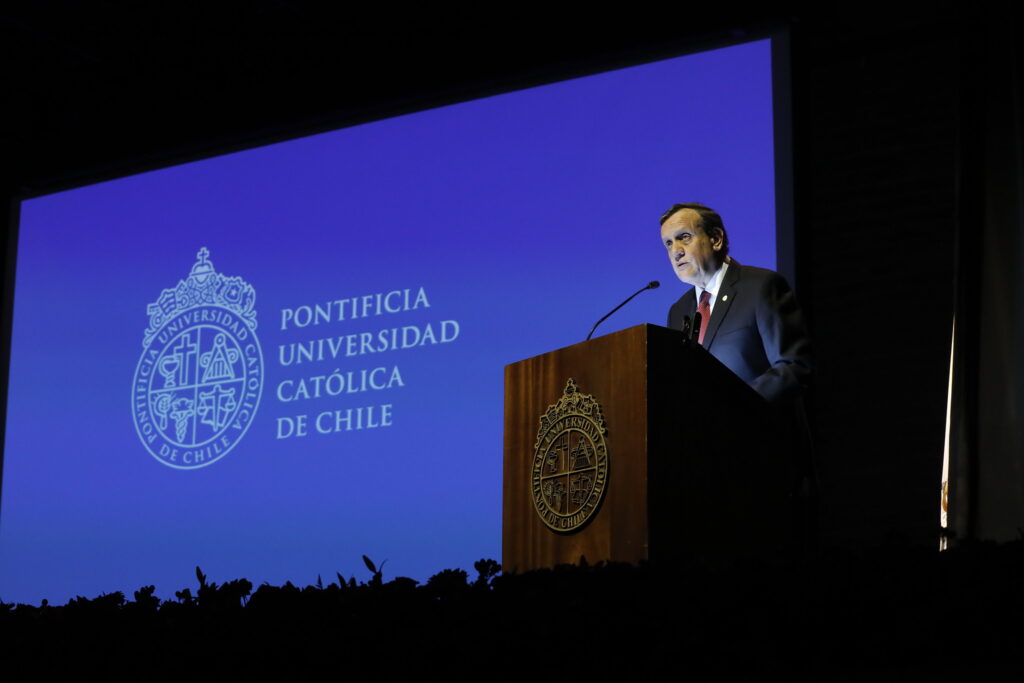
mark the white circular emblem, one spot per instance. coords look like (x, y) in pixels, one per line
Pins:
(199, 380)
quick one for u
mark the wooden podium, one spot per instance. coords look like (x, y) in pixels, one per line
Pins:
(692, 462)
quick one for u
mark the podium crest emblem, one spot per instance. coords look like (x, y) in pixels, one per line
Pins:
(570, 461)
(199, 380)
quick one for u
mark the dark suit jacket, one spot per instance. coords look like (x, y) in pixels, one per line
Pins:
(756, 330)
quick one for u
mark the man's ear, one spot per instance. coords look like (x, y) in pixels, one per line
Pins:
(716, 240)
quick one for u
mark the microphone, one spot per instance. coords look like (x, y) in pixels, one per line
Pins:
(653, 284)
(693, 334)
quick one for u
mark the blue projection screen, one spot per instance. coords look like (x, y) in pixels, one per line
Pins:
(273, 362)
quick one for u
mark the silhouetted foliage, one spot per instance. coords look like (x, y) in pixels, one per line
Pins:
(378, 574)
(894, 609)
(486, 570)
(447, 584)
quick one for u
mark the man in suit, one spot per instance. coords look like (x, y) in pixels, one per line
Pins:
(750, 320)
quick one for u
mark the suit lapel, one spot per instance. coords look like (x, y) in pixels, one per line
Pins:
(726, 295)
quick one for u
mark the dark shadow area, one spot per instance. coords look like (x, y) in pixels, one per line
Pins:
(874, 615)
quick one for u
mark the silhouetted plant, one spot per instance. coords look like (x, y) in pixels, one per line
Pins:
(486, 569)
(145, 600)
(377, 573)
(185, 596)
(447, 584)
(235, 593)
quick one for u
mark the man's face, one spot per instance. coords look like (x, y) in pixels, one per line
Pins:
(693, 254)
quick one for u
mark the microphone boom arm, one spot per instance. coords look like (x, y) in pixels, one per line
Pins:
(653, 284)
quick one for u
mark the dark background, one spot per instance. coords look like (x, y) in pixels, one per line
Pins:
(96, 90)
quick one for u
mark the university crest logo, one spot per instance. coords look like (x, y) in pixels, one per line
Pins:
(570, 461)
(200, 377)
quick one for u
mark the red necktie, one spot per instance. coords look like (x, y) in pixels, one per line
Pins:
(705, 315)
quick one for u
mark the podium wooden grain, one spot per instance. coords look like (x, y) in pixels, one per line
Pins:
(696, 466)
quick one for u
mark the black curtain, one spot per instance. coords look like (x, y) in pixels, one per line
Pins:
(986, 475)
